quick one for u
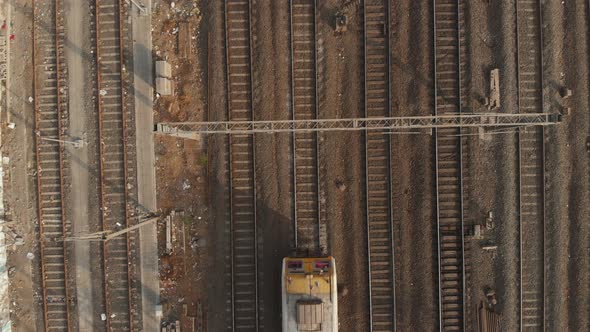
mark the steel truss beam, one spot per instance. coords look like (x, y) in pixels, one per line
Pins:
(483, 120)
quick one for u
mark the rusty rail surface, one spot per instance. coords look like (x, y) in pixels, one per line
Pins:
(114, 167)
(50, 114)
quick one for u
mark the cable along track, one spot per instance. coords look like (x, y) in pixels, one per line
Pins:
(245, 306)
(51, 118)
(449, 151)
(378, 168)
(531, 156)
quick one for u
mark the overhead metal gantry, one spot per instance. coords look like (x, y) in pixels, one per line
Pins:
(394, 124)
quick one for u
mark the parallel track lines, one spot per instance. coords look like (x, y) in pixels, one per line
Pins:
(449, 168)
(50, 111)
(305, 145)
(531, 167)
(378, 169)
(244, 251)
(113, 162)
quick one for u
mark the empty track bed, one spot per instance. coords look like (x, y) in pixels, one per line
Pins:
(378, 168)
(245, 310)
(50, 122)
(305, 145)
(113, 158)
(449, 168)
(531, 164)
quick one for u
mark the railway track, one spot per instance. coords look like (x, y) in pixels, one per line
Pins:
(308, 225)
(116, 171)
(51, 119)
(245, 306)
(381, 260)
(449, 151)
(531, 167)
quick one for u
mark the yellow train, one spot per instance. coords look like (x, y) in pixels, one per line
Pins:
(309, 294)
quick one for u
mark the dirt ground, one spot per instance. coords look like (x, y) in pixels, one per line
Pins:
(181, 167)
(20, 194)
(413, 168)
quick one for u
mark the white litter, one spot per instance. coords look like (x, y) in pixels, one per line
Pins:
(103, 316)
(31, 99)
(30, 255)
(103, 92)
(11, 125)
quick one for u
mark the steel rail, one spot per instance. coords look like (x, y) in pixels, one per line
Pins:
(295, 237)
(378, 199)
(231, 191)
(242, 168)
(449, 153)
(128, 177)
(306, 200)
(436, 164)
(531, 169)
(461, 179)
(54, 285)
(392, 189)
(113, 191)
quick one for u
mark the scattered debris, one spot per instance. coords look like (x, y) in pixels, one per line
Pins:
(341, 21)
(30, 255)
(164, 86)
(186, 184)
(168, 235)
(184, 40)
(198, 243)
(171, 327)
(163, 69)
(340, 185)
(103, 92)
(491, 297)
(490, 247)
(493, 100)
(565, 93)
(490, 221)
(477, 232)
(342, 290)
(19, 240)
